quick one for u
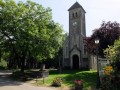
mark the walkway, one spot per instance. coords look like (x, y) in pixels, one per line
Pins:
(7, 84)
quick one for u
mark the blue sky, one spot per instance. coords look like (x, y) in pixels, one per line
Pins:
(96, 11)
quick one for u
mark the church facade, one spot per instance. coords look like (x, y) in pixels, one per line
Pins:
(74, 53)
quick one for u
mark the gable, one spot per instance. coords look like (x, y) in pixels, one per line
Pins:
(76, 5)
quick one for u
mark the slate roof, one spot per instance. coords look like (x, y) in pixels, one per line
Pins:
(76, 5)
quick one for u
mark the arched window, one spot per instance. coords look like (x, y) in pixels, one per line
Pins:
(76, 14)
(73, 15)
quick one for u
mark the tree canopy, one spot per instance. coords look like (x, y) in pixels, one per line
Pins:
(112, 53)
(107, 34)
(27, 31)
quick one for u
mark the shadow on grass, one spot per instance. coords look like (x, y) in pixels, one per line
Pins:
(88, 77)
(54, 72)
(69, 76)
(29, 75)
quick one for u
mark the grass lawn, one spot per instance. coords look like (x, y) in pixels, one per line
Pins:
(68, 77)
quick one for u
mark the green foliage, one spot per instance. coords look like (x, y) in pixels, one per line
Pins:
(28, 31)
(109, 52)
(68, 77)
(57, 82)
(110, 83)
(3, 64)
(106, 83)
(113, 54)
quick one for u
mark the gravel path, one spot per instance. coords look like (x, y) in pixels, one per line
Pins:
(7, 84)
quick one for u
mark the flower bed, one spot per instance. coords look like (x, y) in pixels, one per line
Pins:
(57, 82)
(78, 84)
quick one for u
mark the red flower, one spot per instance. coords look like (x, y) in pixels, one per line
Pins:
(78, 82)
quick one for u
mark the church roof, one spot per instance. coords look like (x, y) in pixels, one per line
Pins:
(76, 5)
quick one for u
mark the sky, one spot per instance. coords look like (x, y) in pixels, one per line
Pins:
(97, 11)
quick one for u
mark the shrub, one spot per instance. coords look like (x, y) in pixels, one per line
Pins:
(3, 64)
(57, 82)
(110, 82)
(78, 84)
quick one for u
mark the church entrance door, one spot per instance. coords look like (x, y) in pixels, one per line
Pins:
(75, 62)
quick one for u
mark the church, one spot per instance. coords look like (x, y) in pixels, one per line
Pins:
(74, 53)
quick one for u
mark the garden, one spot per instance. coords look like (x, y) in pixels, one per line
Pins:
(66, 79)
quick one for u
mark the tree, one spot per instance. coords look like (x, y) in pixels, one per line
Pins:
(107, 34)
(113, 54)
(29, 31)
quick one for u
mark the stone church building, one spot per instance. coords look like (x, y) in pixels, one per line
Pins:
(74, 53)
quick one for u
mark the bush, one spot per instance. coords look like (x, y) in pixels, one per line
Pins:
(3, 64)
(57, 82)
(110, 83)
(78, 84)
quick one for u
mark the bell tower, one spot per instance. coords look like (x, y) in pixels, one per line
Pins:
(76, 33)
(73, 46)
